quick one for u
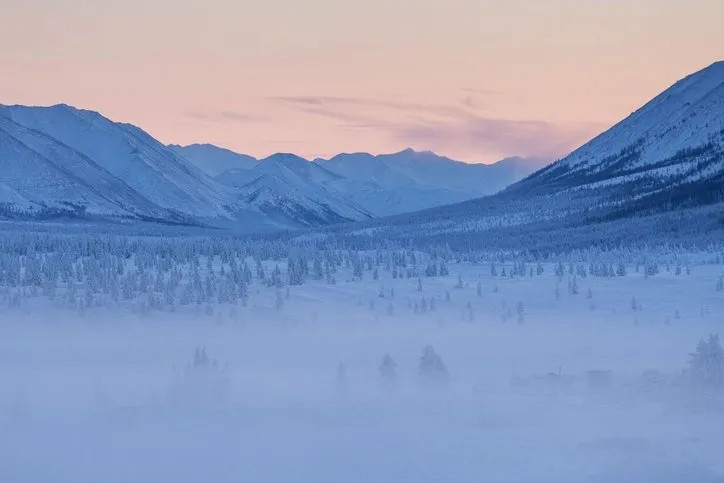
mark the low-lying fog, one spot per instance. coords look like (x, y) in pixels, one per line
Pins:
(560, 391)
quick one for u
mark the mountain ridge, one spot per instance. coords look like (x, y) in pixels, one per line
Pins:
(666, 155)
(661, 165)
(388, 184)
(65, 161)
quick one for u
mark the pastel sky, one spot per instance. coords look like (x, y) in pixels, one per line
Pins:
(476, 80)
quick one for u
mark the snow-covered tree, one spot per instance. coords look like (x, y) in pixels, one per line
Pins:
(388, 374)
(707, 363)
(520, 311)
(432, 371)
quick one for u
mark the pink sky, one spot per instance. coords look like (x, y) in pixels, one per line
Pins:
(476, 80)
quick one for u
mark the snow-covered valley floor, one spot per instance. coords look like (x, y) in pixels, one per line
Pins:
(543, 384)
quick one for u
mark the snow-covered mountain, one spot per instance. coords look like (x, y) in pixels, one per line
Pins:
(363, 184)
(60, 160)
(380, 185)
(41, 176)
(389, 184)
(674, 142)
(286, 185)
(662, 166)
(214, 160)
(129, 154)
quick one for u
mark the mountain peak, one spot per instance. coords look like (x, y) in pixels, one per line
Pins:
(410, 152)
(699, 84)
(60, 112)
(284, 158)
(214, 160)
(715, 66)
(199, 145)
(63, 105)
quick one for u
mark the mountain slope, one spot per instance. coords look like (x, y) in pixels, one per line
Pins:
(78, 162)
(214, 160)
(63, 160)
(410, 180)
(40, 175)
(660, 171)
(285, 185)
(151, 169)
(359, 186)
(676, 138)
(291, 166)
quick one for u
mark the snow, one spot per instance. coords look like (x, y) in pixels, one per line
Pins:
(561, 338)
(34, 180)
(214, 160)
(657, 172)
(409, 180)
(87, 394)
(285, 181)
(94, 166)
(129, 154)
(684, 116)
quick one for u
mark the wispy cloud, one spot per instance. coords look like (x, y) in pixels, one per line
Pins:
(340, 103)
(224, 116)
(502, 136)
(447, 128)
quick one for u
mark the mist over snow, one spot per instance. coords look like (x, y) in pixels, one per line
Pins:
(187, 358)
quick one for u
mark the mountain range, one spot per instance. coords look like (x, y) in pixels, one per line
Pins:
(63, 161)
(666, 157)
(379, 185)
(657, 173)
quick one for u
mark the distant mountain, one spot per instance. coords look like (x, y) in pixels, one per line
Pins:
(214, 160)
(361, 185)
(386, 184)
(409, 180)
(295, 167)
(63, 161)
(658, 173)
(285, 184)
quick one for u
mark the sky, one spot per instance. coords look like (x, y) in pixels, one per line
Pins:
(476, 80)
